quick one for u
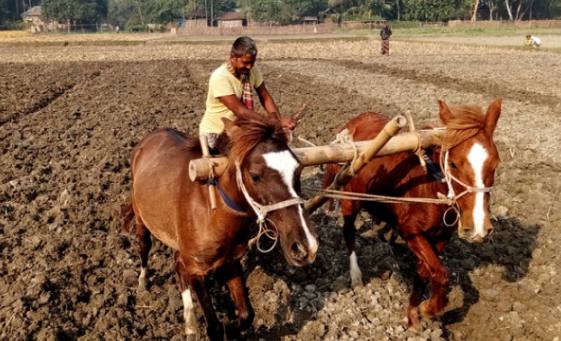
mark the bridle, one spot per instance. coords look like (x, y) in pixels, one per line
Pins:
(452, 196)
(261, 212)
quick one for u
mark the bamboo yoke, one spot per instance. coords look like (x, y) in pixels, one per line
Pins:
(357, 153)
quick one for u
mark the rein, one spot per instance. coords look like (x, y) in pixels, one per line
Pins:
(451, 199)
(261, 211)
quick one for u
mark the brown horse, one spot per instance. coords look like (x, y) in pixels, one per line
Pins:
(262, 180)
(468, 160)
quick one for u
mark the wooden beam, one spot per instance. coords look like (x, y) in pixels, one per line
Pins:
(333, 153)
(374, 146)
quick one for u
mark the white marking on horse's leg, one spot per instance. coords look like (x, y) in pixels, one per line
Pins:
(191, 327)
(142, 282)
(476, 157)
(356, 274)
(285, 163)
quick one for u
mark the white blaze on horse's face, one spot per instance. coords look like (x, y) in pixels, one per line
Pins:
(477, 157)
(286, 164)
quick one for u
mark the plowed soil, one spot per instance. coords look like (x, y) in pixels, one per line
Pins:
(68, 125)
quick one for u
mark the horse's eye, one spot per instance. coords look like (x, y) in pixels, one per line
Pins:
(255, 177)
(453, 165)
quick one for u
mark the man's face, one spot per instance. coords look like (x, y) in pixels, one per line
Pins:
(242, 65)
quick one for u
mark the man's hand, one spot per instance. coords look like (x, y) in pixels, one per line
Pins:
(288, 122)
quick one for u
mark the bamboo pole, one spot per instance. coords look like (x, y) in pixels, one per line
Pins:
(311, 156)
(346, 174)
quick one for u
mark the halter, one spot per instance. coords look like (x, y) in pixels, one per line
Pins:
(449, 178)
(261, 211)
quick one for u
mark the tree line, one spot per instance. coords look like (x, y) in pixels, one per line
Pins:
(136, 14)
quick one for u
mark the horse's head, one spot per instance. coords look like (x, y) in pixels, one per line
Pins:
(269, 176)
(470, 158)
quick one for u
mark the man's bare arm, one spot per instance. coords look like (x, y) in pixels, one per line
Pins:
(267, 101)
(233, 103)
(271, 107)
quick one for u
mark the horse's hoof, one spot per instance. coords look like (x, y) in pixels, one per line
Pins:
(142, 285)
(191, 331)
(413, 321)
(191, 326)
(424, 309)
(142, 281)
(356, 281)
(356, 274)
(246, 320)
(141, 288)
(356, 278)
(428, 312)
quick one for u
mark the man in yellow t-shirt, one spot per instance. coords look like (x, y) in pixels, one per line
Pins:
(230, 90)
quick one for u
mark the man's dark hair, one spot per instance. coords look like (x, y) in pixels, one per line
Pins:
(243, 46)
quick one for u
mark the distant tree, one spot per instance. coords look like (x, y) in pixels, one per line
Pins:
(475, 9)
(120, 12)
(223, 6)
(338, 8)
(491, 6)
(77, 11)
(193, 8)
(437, 10)
(545, 9)
(11, 10)
(7, 12)
(163, 11)
(532, 9)
(516, 9)
(271, 10)
(307, 7)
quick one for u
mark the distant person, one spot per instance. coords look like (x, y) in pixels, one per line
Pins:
(385, 34)
(117, 29)
(533, 41)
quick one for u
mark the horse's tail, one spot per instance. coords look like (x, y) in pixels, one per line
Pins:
(127, 214)
(331, 171)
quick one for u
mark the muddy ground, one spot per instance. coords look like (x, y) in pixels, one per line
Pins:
(66, 132)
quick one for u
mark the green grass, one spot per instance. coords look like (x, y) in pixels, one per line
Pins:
(71, 43)
(505, 47)
(469, 31)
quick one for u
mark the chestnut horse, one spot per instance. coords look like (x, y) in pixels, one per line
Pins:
(261, 180)
(468, 158)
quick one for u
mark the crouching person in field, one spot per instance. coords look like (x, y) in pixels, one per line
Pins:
(533, 41)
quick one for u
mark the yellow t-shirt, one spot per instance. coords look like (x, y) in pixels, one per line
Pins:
(223, 83)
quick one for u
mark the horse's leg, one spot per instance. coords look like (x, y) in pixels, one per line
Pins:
(196, 283)
(238, 293)
(191, 327)
(145, 243)
(437, 274)
(416, 297)
(350, 210)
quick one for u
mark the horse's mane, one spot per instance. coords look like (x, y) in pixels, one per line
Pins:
(466, 122)
(252, 132)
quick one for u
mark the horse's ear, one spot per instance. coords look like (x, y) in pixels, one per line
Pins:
(229, 127)
(445, 114)
(492, 116)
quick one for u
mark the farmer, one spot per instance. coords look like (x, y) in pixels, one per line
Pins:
(230, 94)
(533, 41)
(385, 34)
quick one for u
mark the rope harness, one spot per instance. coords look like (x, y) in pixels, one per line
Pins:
(261, 212)
(450, 200)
